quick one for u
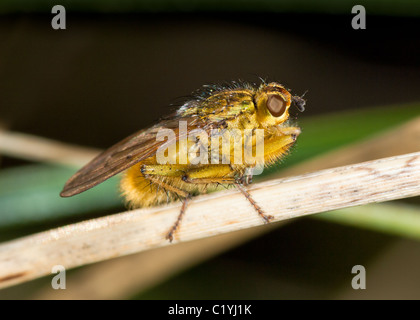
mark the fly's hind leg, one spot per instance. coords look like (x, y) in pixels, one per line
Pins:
(170, 234)
(152, 173)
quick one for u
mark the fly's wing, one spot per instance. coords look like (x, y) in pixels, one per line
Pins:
(139, 146)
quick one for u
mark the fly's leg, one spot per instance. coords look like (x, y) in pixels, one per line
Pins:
(165, 170)
(276, 146)
(208, 175)
(257, 208)
(166, 186)
(170, 234)
(152, 174)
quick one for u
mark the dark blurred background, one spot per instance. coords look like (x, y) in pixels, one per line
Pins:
(108, 75)
(118, 67)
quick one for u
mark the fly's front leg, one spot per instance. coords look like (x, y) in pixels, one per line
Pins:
(278, 144)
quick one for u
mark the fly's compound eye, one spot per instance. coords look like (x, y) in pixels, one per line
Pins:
(276, 105)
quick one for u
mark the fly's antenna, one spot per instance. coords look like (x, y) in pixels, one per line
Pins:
(263, 81)
(300, 102)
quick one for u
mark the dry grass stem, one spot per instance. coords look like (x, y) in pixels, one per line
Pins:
(129, 232)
